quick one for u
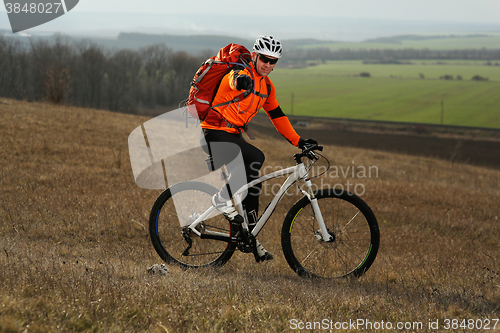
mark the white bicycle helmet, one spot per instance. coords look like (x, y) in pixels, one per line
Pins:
(269, 46)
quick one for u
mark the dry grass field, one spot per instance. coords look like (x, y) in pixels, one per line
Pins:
(74, 244)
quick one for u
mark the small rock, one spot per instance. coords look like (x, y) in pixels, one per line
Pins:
(158, 269)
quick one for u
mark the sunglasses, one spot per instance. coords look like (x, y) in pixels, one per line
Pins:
(266, 60)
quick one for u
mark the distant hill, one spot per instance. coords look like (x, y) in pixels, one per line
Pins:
(419, 42)
(400, 38)
(193, 44)
(199, 43)
(310, 42)
(190, 44)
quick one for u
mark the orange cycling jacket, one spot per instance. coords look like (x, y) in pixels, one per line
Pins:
(234, 117)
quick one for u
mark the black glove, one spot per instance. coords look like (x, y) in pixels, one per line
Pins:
(306, 142)
(244, 82)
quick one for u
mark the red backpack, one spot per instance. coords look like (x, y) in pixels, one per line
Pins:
(207, 79)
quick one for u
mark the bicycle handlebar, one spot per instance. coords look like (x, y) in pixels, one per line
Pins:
(308, 151)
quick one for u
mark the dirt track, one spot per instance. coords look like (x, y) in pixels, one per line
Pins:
(459, 148)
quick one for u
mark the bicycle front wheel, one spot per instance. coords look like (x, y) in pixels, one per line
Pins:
(348, 219)
(177, 207)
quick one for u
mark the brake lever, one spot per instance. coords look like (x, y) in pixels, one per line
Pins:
(312, 156)
(310, 148)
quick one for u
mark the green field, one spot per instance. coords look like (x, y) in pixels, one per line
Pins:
(446, 43)
(431, 69)
(394, 92)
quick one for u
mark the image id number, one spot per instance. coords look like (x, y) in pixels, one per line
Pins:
(33, 8)
(485, 324)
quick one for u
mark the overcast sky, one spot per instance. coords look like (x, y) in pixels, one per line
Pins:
(477, 11)
(344, 20)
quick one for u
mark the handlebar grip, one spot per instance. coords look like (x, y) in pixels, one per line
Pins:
(314, 147)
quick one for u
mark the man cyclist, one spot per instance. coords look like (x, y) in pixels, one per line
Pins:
(226, 124)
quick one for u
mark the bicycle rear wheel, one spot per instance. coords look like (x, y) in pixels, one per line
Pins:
(348, 219)
(177, 206)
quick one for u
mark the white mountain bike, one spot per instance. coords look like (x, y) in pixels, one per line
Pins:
(329, 233)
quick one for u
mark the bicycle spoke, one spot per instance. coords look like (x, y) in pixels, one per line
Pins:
(347, 224)
(309, 255)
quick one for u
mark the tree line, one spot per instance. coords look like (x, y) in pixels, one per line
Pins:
(299, 55)
(84, 74)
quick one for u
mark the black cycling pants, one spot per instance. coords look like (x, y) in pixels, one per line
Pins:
(253, 158)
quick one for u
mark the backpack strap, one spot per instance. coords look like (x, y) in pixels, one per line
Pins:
(244, 94)
(264, 95)
(237, 67)
(238, 98)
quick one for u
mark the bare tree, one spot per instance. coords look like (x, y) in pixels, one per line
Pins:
(15, 66)
(156, 59)
(122, 75)
(182, 69)
(52, 63)
(92, 66)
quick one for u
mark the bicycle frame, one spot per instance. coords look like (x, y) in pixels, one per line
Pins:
(297, 172)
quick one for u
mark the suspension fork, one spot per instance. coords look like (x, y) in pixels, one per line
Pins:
(317, 212)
